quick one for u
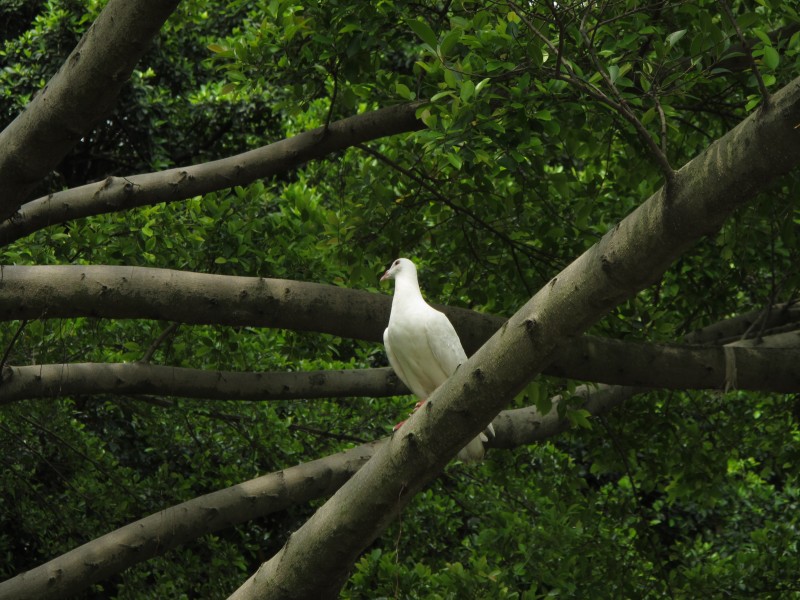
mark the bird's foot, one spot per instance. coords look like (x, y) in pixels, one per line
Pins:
(417, 406)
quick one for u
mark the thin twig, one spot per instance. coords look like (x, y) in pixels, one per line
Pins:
(11, 344)
(335, 74)
(624, 109)
(148, 355)
(765, 96)
(617, 103)
(663, 120)
(447, 202)
(329, 434)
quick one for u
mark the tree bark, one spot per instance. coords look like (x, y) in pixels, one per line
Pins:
(154, 535)
(759, 368)
(123, 193)
(98, 559)
(81, 93)
(52, 381)
(512, 428)
(630, 257)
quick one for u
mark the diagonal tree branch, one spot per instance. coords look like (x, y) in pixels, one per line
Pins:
(154, 535)
(179, 524)
(116, 194)
(629, 258)
(151, 536)
(81, 93)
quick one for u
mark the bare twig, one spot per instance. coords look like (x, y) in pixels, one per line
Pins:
(11, 343)
(148, 355)
(623, 108)
(618, 103)
(512, 244)
(765, 96)
(335, 74)
(663, 120)
(329, 434)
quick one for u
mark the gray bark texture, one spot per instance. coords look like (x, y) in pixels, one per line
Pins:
(98, 559)
(182, 523)
(135, 292)
(80, 94)
(154, 535)
(760, 368)
(633, 255)
(122, 193)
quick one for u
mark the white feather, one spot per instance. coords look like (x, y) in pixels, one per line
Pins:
(422, 345)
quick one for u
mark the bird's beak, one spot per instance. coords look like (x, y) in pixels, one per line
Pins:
(385, 276)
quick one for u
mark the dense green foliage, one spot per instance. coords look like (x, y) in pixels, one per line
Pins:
(521, 168)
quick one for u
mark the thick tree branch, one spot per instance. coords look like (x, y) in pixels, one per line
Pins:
(763, 367)
(132, 292)
(113, 292)
(81, 93)
(151, 536)
(182, 523)
(743, 326)
(154, 535)
(122, 193)
(140, 378)
(196, 298)
(629, 258)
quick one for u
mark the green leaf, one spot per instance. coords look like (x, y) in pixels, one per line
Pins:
(424, 32)
(613, 73)
(481, 85)
(580, 418)
(440, 95)
(674, 37)
(455, 160)
(402, 90)
(771, 57)
(449, 41)
(467, 90)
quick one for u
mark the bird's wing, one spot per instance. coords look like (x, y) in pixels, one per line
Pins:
(472, 452)
(444, 343)
(393, 359)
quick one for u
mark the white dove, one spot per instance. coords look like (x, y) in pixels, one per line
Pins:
(422, 345)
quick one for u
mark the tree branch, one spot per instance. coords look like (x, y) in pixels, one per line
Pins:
(120, 292)
(154, 535)
(769, 366)
(168, 330)
(116, 194)
(151, 536)
(762, 88)
(629, 258)
(81, 93)
(135, 292)
(38, 381)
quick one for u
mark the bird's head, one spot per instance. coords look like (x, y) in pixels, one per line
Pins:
(399, 267)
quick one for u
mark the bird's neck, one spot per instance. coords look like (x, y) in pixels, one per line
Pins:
(406, 291)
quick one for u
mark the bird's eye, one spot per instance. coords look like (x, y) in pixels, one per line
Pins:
(397, 262)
